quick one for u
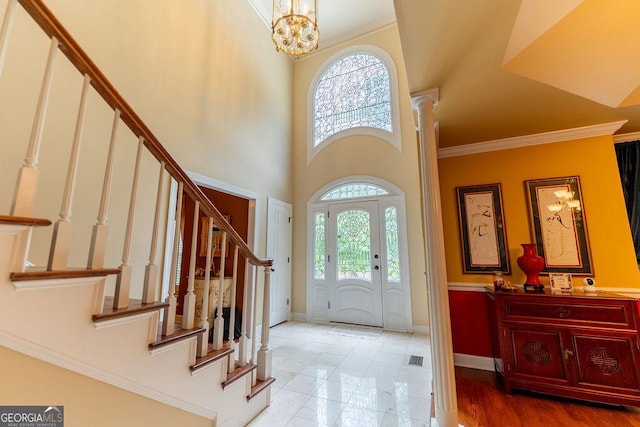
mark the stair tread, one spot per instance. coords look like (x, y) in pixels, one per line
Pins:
(177, 335)
(22, 220)
(40, 273)
(260, 386)
(211, 356)
(135, 307)
(238, 372)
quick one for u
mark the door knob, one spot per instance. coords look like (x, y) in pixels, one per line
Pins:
(377, 267)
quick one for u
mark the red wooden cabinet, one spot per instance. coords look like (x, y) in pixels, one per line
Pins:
(583, 346)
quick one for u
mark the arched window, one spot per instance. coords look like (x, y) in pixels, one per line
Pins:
(354, 94)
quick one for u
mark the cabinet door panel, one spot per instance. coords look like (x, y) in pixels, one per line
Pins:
(537, 353)
(607, 361)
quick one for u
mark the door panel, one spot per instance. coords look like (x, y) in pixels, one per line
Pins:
(353, 266)
(279, 249)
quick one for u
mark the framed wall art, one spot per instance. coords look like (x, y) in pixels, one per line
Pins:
(558, 224)
(482, 233)
(216, 235)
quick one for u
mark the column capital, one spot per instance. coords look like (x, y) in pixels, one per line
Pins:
(418, 99)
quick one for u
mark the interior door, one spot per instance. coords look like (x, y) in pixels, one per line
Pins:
(354, 263)
(279, 250)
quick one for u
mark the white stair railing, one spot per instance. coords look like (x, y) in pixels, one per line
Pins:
(232, 314)
(168, 325)
(218, 327)
(264, 354)
(7, 22)
(151, 273)
(203, 339)
(189, 306)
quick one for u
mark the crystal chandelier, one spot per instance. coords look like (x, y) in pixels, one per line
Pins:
(294, 26)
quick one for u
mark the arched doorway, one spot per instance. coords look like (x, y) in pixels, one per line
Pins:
(357, 268)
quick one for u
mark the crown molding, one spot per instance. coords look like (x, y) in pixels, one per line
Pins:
(626, 137)
(529, 140)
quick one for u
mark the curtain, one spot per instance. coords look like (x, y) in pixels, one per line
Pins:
(628, 155)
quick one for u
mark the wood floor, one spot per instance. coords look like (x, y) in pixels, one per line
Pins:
(482, 402)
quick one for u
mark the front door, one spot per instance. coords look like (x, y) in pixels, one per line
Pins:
(279, 250)
(353, 263)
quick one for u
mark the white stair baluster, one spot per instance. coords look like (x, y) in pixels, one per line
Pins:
(232, 313)
(219, 322)
(98, 247)
(150, 286)
(243, 356)
(28, 177)
(203, 339)
(264, 354)
(168, 325)
(254, 324)
(189, 307)
(6, 29)
(61, 241)
(123, 283)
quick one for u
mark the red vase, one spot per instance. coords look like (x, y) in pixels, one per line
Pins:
(531, 264)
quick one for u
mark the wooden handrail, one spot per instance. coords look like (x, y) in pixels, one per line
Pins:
(70, 48)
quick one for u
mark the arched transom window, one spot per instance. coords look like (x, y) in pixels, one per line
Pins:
(354, 190)
(353, 92)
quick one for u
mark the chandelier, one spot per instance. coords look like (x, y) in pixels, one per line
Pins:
(294, 27)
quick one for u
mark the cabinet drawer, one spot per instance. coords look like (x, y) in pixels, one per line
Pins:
(613, 314)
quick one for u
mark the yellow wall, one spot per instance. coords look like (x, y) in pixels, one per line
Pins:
(87, 402)
(592, 159)
(357, 155)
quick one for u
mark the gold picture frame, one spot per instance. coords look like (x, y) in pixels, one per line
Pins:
(216, 235)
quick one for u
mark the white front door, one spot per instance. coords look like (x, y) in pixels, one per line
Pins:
(354, 263)
(279, 250)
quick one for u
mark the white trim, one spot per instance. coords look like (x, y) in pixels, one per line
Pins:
(191, 341)
(124, 320)
(529, 140)
(626, 137)
(421, 330)
(299, 317)
(469, 287)
(60, 360)
(32, 285)
(631, 292)
(394, 137)
(476, 362)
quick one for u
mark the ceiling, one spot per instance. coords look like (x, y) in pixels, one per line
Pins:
(506, 68)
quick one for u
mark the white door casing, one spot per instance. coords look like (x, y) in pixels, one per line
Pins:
(354, 296)
(279, 250)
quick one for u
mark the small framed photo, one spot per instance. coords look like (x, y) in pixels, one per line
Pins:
(560, 282)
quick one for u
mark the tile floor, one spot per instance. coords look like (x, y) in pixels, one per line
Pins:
(338, 375)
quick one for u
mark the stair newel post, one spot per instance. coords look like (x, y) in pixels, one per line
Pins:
(218, 326)
(254, 309)
(4, 32)
(232, 314)
(97, 250)
(246, 317)
(203, 339)
(28, 176)
(189, 307)
(168, 326)
(264, 354)
(61, 240)
(150, 286)
(123, 283)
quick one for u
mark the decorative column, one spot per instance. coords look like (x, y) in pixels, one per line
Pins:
(444, 381)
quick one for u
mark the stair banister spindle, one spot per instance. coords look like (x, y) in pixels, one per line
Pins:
(28, 177)
(189, 307)
(168, 325)
(123, 284)
(5, 30)
(232, 314)
(219, 322)
(203, 339)
(61, 241)
(98, 247)
(254, 324)
(246, 318)
(264, 354)
(150, 286)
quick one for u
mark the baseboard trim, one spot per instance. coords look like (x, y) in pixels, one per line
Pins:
(476, 362)
(299, 317)
(421, 330)
(44, 354)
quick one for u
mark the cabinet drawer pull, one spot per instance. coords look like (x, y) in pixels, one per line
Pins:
(567, 353)
(563, 312)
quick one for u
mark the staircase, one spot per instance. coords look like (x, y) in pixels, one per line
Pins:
(103, 301)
